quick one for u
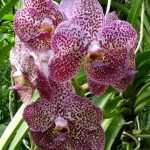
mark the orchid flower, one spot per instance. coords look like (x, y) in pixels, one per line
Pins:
(35, 24)
(29, 71)
(65, 123)
(59, 119)
(107, 42)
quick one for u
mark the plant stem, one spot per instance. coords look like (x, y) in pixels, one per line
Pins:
(108, 7)
(137, 142)
(117, 5)
(141, 28)
(11, 98)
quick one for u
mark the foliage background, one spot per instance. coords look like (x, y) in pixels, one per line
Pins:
(126, 115)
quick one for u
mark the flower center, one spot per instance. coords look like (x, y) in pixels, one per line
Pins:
(21, 79)
(62, 130)
(47, 26)
(95, 57)
(61, 126)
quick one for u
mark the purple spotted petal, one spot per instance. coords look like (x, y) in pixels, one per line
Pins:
(35, 3)
(41, 42)
(66, 6)
(47, 109)
(25, 90)
(26, 24)
(49, 9)
(36, 26)
(39, 116)
(110, 18)
(128, 79)
(22, 84)
(86, 140)
(89, 15)
(110, 66)
(26, 94)
(67, 44)
(65, 65)
(80, 111)
(34, 69)
(97, 88)
(46, 140)
(52, 10)
(70, 31)
(119, 34)
(61, 91)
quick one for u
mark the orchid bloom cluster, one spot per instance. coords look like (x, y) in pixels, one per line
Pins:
(51, 41)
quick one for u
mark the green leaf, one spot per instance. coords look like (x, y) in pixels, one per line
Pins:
(7, 7)
(112, 128)
(134, 12)
(140, 106)
(117, 5)
(101, 101)
(142, 96)
(2, 129)
(141, 57)
(36, 95)
(9, 17)
(4, 52)
(11, 129)
(17, 140)
(111, 108)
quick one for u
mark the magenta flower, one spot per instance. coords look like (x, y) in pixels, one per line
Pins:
(66, 122)
(29, 71)
(36, 23)
(59, 119)
(108, 42)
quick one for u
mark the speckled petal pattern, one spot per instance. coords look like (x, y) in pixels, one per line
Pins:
(26, 23)
(52, 10)
(128, 79)
(21, 59)
(109, 18)
(83, 139)
(61, 91)
(67, 44)
(89, 15)
(65, 65)
(80, 111)
(41, 42)
(120, 34)
(107, 67)
(39, 116)
(83, 123)
(35, 3)
(70, 32)
(97, 88)
(66, 6)
(45, 140)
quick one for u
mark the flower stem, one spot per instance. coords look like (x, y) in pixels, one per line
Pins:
(108, 7)
(141, 28)
(11, 98)
(131, 136)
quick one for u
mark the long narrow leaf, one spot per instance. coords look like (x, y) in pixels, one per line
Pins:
(19, 136)
(134, 12)
(11, 129)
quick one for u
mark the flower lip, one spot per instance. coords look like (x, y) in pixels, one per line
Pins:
(47, 26)
(94, 46)
(94, 57)
(61, 125)
(20, 79)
